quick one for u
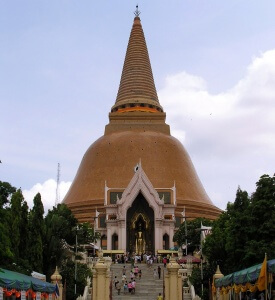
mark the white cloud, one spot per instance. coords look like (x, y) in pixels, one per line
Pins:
(48, 193)
(231, 135)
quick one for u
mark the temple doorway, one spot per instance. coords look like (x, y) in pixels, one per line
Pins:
(140, 227)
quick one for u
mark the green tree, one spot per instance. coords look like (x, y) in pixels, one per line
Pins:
(238, 230)
(6, 254)
(246, 230)
(214, 246)
(36, 234)
(6, 191)
(60, 239)
(262, 231)
(67, 272)
(15, 221)
(60, 224)
(24, 231)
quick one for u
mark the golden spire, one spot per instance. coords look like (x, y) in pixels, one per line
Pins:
(137, 91)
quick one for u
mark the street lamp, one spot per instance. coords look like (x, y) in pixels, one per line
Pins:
(185, 229)
(97, 213)
(201, 229)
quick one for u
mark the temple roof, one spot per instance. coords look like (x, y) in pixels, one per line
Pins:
(137, 91)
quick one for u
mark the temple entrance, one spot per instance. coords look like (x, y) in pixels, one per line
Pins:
(140, 227)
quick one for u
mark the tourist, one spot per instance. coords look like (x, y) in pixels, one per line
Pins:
(115, 281)
(125, 287)
(130, 287)
(159, 297)
(131, 275)
(123, 278)
(159, 271)
(155, 274)
(164, 262)
(136, 271)
(124, 270)
(139, 274)
(133, 286)
(118, 287)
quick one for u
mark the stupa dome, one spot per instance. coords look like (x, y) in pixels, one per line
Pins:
(112, 159)
(137, 132)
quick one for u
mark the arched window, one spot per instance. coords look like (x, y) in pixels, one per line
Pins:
(114, 241)
(166, 241)
(104, 242)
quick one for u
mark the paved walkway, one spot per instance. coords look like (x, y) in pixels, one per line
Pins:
(147, 288)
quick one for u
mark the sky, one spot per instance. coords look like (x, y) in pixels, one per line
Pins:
(214, 69)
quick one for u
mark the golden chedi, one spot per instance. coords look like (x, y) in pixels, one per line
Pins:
(136, 180)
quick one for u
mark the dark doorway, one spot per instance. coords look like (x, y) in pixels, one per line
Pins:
(114, 241)
(140, 227)
(166, 242)
(104, 242)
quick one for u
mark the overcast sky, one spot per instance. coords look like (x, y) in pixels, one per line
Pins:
(214, 67)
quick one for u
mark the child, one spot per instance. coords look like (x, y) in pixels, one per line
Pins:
(139, 274)
(125, 287)
(159, 297)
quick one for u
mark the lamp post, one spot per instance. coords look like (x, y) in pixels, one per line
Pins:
(97, 213)
(201, 229)
(95, 228)
(185, 229)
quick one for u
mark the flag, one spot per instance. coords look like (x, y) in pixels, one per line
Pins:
(262, 280)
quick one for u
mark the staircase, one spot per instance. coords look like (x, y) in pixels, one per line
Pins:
(147, 288)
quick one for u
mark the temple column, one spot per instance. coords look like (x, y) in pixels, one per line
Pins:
(171, 235)
(121, 234)
(158, 235)
(122, 238)
(109, 237)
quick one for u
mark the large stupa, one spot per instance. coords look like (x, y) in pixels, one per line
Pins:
(136, 182)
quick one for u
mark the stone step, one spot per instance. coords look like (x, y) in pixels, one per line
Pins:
(147, 288)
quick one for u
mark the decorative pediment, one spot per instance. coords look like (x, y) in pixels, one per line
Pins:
(140, 183)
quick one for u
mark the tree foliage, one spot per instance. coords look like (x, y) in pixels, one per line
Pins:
(246, 230)
(68, 271)
(60, 224)
(6, 254)
(31, 241)
(241, 235)
(36, 234)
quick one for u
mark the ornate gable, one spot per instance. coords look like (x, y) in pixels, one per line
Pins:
(140, 183)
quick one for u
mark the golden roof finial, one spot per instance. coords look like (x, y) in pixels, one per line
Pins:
(137, 12)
